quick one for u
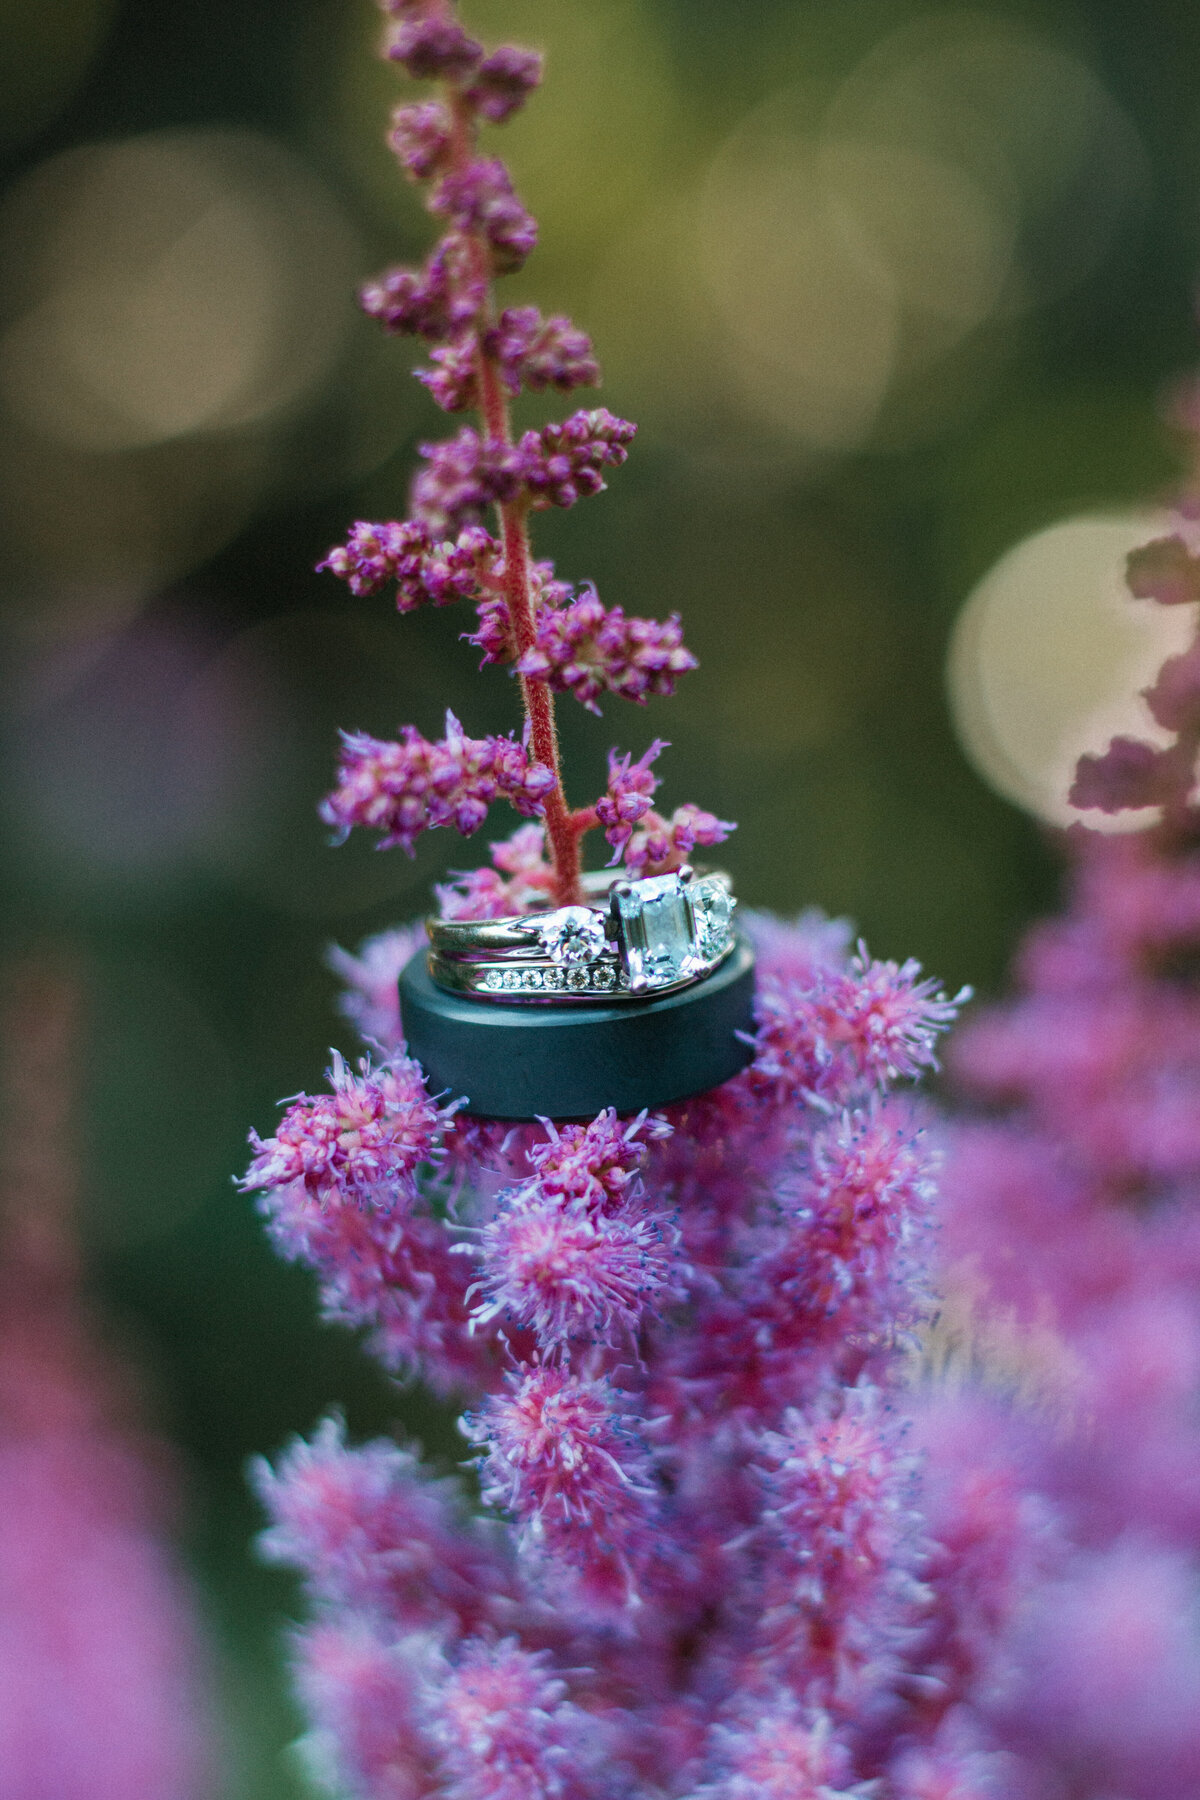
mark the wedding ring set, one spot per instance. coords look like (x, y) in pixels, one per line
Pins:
(632, 940)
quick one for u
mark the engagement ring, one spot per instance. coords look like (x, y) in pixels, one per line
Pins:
(632, 940)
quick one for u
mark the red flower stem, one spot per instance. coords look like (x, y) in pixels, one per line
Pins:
(562, 831)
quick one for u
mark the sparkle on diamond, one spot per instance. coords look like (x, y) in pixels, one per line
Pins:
(574, 934)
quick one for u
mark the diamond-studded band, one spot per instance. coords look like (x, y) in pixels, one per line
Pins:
(633, 941)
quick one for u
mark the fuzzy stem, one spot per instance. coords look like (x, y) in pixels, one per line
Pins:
(562, 833)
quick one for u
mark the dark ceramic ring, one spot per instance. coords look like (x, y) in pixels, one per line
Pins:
(520, 1062)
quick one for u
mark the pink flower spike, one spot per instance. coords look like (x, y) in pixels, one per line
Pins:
(465, 475)
(839, 1508)
(524, 855)
(887, 1020)
(595, 1164)
(453, 379)
(778, 1753)
(1164, 570)
(507, 1732)
(658, 846)
(537, 353)
(562, 463)
(402, 789)
(433, 49)
(563, 1456)
(1131, 774)
(565, 1272)
(631, 787)
(1174, 699)
(487, 894)
(504, 81)
(371, 1530)
(587, 650)
(370, 999)
(426, 572)
(359, 1145)
(359, 1688)
(479, 200)
(420, 138)
(434, 302)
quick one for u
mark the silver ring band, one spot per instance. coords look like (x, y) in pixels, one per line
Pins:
(637, 939)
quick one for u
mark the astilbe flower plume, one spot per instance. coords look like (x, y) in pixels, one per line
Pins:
(103, 1685)
(682, 1339)
(1072, 1225)
(701, 1559)
(556, 640)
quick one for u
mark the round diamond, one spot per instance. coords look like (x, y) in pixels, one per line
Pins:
(604, 976)
(578, 977)
(492, 982)
(573, 934)
(554, 978)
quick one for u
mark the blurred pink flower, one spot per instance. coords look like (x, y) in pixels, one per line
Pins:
(103, 1688)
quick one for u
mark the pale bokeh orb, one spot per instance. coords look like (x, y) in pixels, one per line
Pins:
(813, 324)
(181, 282)
(1033, 130)
(1049, 656)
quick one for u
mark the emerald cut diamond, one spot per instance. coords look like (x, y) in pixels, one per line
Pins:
(657, 932)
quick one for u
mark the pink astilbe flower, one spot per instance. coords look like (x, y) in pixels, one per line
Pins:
(566, 1458)
(656, 846)
(1129, 775)
(681, 1338)
(630, 794)
(479, 200)
(396, 1278)
(359, 1145)
(465, 475)
(595, 1164)
(532, 352)
(700, 1557)
(588, 649)
(506, 1730)
(1133, 773)
(850, 1252)
(520, 876)
(420, 138)
(402, 789)
(780, 1755)
(1064, 1483)
(376, 1533)
(360, 1691)
(567, 1272)
(850, 1029)
(562, 463)
(481, 357)
(370, 999)
(1165, 570)
(839, 1496)
(504, 81)
(426, 572)
(439, 300)
(429, 46)
(103, 1686)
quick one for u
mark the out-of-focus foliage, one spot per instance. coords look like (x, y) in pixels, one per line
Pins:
(887, 287)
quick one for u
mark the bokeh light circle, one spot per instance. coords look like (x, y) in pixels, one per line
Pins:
(1049, 656)
(180, 282)
(1028, 123)
(814, 324)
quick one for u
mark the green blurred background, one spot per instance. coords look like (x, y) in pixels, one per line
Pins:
(887, 288)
